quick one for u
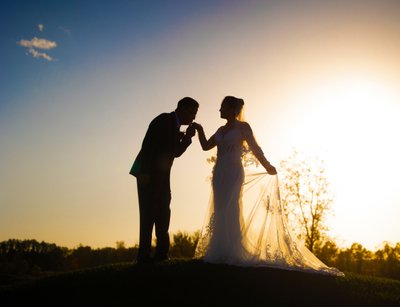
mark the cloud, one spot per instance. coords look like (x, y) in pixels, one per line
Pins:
(40, 27)
(39, 43)
(37, 54)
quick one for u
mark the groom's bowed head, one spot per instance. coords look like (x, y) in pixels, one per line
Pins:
(186, 110)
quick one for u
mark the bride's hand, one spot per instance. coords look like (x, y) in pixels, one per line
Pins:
(271, 170)
(190, 131)
(197, 126)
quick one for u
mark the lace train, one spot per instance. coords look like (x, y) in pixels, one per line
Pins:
(263, 238)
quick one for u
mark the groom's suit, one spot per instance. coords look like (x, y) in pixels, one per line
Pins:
(162, 143)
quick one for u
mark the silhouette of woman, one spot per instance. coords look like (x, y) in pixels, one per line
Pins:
(263, 238)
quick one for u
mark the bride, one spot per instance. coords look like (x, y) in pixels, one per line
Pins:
(263, 238)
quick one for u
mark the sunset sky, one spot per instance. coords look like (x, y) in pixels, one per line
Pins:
(81, 80)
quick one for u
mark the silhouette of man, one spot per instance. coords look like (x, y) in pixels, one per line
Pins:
(152, 167)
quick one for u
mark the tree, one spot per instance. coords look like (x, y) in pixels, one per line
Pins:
(388, 259)
(184, 244)
(327, 252)
(306, 197)
(120, 244)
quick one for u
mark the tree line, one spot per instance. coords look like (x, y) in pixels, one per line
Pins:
(33, 257)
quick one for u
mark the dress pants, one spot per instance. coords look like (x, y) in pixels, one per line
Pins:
(154, 210)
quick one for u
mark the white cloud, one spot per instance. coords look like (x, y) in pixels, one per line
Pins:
(37, 54)
(40, 27)
(39, 43)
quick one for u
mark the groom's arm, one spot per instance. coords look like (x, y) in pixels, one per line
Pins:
(185, 142)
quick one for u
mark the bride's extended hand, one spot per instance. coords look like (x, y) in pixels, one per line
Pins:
(197, 126)
(190, 131)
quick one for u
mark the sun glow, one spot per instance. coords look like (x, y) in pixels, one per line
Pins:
(351, 123)
(349, 111)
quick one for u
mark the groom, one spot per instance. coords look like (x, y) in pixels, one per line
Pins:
(162, 143)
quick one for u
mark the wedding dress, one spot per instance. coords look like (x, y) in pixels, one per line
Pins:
(263, 237)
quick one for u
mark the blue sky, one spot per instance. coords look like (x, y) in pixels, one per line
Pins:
(88, 34)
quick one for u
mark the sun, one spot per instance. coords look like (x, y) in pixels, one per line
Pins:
(351, 123)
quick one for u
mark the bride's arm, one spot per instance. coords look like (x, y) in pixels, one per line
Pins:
(205, 144)
(256, 149)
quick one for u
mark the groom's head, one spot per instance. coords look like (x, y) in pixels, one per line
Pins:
(187, 110)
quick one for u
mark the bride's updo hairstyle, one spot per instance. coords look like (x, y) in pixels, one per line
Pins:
(236, 104)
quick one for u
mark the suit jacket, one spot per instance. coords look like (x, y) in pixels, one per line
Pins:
(161, 144)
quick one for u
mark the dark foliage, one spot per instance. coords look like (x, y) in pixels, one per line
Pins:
(385, 262)
(33, 257)
(30, 257)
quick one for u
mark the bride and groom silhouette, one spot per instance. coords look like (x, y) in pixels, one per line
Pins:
(263, 239)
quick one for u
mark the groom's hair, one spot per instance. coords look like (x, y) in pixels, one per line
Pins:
(187, 103)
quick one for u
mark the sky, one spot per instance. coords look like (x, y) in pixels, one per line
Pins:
(81, 80)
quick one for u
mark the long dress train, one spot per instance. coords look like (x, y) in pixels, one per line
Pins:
(249, 229)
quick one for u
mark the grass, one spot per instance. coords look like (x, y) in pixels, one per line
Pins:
(193, 283)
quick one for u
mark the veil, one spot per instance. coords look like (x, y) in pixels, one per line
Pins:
(265, 234)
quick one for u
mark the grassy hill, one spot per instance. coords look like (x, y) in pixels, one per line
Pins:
(193, 283)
